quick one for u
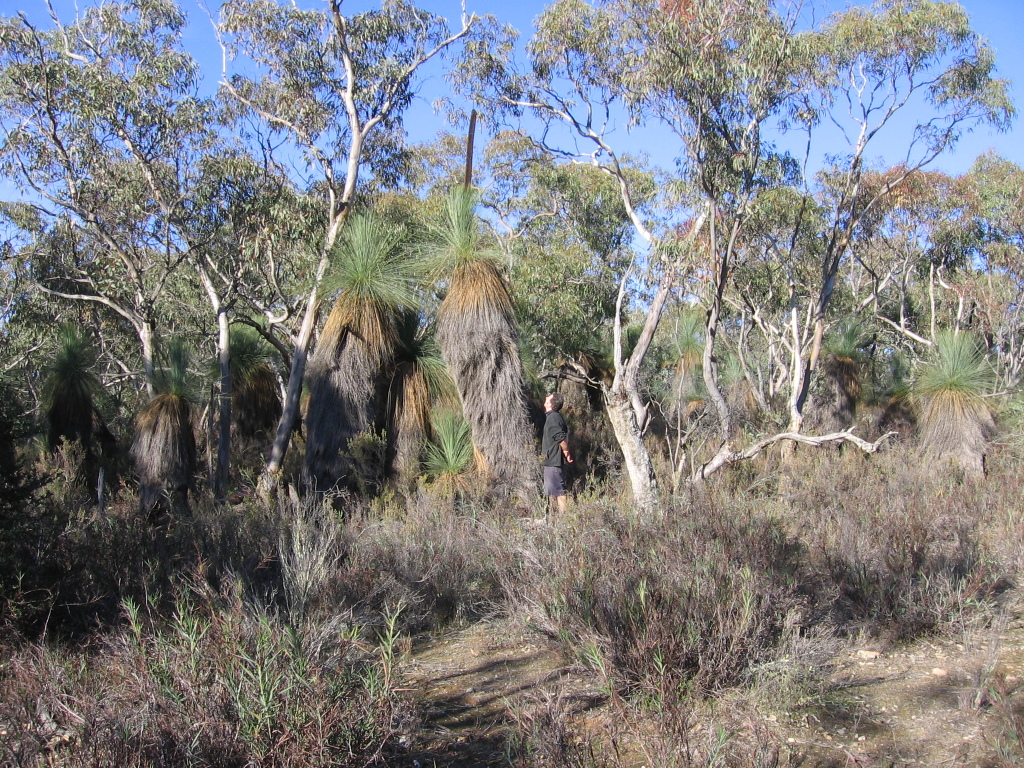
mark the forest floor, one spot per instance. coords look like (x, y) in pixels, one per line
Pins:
(933, 702)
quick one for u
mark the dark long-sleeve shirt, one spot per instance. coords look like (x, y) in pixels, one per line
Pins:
(555, 432)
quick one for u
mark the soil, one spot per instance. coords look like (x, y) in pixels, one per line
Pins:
(930, 703)
(469, 684)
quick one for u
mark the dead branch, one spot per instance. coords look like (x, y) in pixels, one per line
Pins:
(727, 456)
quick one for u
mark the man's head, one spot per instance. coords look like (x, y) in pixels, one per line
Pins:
(553, 402)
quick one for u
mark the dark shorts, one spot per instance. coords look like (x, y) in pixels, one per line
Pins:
(554, 481)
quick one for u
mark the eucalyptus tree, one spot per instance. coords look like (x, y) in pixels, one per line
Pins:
(719, 76)
(225, 219)
(994, 189)
(712, 75)
(911, 71)
(102, 128)
(334, 88)
(574, 213)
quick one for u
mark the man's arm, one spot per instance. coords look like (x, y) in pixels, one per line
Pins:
(565, 451)
(562, 438)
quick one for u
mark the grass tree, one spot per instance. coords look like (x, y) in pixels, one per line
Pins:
(328, 85)
(418, 380)
(69, 393)
(477, 335)
(255, 393)
(165, 444)
(688, 340)
(376, 279)
(69, 390)
(841, 366)
(448, 455)
(949, 391)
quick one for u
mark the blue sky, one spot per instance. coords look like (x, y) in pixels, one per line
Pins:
(999, 21)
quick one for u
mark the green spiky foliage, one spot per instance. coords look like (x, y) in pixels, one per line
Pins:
(949, 393)
(255, 394)
(419, 379)
(477, 335)
(841, 365)
(174, 377)
(687, 389)
(376, 279)
(165, 445)
(689, 339)
(898, 414)
(447, 456)
(69, 390)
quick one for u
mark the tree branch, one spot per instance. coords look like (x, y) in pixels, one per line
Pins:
(727, 456)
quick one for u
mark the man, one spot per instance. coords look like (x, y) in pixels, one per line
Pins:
(555, 445)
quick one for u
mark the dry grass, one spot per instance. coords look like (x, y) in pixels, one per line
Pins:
(739, 595)
(734, 604)
(214, 683)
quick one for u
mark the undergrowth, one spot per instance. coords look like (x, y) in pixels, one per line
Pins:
(270, 635)
(217, 682)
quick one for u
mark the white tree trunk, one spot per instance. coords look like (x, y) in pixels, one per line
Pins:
(147, 337)
(635, 455)
(220, 479)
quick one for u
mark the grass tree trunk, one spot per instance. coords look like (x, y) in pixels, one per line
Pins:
(408, 425)
(165, 455)
(344, 400)
(479, 347)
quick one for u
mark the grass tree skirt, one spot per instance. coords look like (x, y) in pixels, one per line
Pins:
(483, 358)
(343, 402)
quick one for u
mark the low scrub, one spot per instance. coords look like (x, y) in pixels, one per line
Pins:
(691, 601)
(219, 683)
(444, 564)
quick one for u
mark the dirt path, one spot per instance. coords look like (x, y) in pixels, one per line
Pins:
(932, 703)
(928, 704)
(470, 681)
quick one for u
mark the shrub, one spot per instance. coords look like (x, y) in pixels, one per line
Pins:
(217, 684)
(661, 607)
(444, 566)
(898, 548)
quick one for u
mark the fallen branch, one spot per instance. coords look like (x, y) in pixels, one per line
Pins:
(727, 456)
